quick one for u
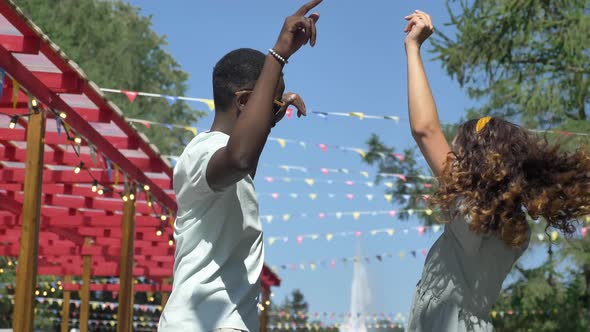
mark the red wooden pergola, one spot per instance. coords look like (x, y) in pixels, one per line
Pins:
(82, 192)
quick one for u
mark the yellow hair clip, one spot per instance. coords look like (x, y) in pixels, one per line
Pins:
(482, 123)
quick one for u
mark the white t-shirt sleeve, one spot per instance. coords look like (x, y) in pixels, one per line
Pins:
(197, 162)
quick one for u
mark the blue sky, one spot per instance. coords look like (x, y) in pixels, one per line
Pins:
(358, 65)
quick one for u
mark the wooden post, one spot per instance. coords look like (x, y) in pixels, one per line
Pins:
(264, 312)
(125, 312)
(85, 289)
(26, 276)
(165, 295)
(65, 310)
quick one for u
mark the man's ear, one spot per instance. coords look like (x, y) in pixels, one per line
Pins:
(241, 101)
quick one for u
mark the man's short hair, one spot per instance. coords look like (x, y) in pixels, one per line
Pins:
(237, 70)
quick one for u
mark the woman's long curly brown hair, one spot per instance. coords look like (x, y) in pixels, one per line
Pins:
(499, 174)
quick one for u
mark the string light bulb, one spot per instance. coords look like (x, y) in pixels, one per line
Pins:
(44, 293)
(159, 232)
(171, 240)
(131, 196)
(146, 187)
(94, 186)
(62, 115)
(37, 292)
(13, 121)
(100, 191)
(77, 140)
(79, 168)
(150, 203)
(34, 102)
(125, 198)
(163, 217)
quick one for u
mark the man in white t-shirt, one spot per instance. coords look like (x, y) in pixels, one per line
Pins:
(219, 247)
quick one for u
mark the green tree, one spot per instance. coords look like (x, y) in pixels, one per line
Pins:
(117, 48)
(523, 59)
(294, 310)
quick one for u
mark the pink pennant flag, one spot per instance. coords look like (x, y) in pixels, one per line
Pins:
(350, 196)
(146, 124)
(333, 263)
(428, 185)
(402, 177)
(392, 213)
(421, 230)
(323, 147)
(425, 197)
(399, 156)
(322, 215)
(358, 233)
(289, 113)
(275, 195)
(299, 239)
(349, 183)
(584, 231)
(269, 179)
(325, 171)
(131, 95)
(564, 133)
(424, 252)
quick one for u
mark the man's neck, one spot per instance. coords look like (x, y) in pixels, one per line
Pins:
(223, 123)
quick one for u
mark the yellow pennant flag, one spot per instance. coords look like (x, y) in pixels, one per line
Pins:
(209, 102)
(357, 114)
(282, 142)
(554, 235)
(428, 212)
(271, 241)
(192, 130)
(329, 236)
(494, 314)
(310, 181)
(365, 174)
(356, 215)
(116, 173)
(402, 255)
(313, 266)
(15, 90)
(313, 196)
(588, 219)
(391, 231)
(389, 185)
(388, 198)
(361, 152)
(286, 217)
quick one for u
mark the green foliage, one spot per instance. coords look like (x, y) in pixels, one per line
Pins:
(543, 300)
(117, 48)
(523, 59)
(294, 309)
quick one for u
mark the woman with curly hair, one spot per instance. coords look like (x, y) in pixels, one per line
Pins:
(495, 174)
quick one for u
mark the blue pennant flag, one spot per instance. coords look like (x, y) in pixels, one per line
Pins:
(2, 75)
(109, 168)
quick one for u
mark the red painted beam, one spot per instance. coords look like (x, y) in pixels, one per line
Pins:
(61, 83)
(11, 205)
(16, 175)
(21, 44)
(52, 157)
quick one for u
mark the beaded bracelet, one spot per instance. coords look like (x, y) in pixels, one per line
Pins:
(278, 56)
